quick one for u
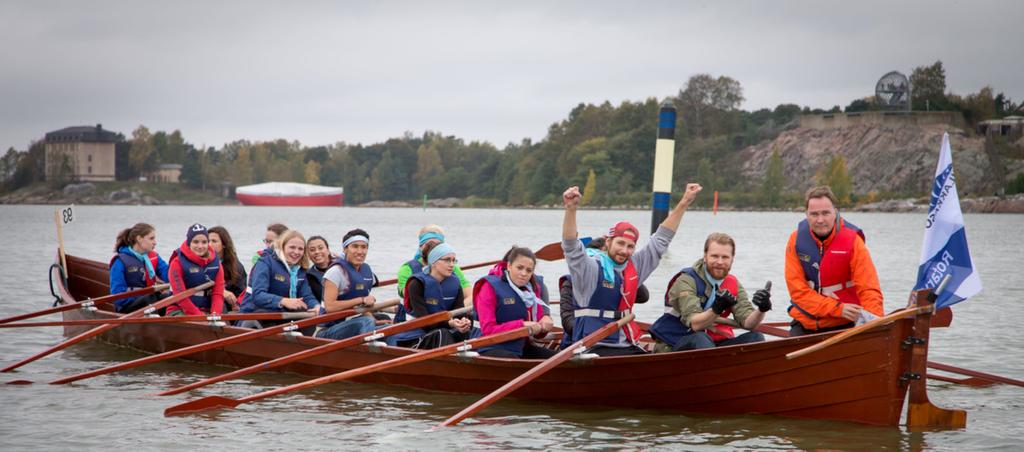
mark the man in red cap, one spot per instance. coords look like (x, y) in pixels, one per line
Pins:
(605, 284)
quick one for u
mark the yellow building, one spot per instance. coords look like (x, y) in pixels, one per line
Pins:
(81, 153)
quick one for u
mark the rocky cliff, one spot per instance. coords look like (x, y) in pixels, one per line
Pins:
(881, 158)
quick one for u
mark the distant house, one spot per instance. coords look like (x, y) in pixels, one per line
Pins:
(167, 173)
(1008, 126)
(81, 153)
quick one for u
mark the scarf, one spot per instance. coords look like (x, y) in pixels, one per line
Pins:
(529, 298)
(608, 265)
(714, 292)
(145, 259)
(293, 282)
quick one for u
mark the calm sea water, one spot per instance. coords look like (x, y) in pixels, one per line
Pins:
(117, 411)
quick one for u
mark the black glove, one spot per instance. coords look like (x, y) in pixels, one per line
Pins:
(763, 300)
(723, 300)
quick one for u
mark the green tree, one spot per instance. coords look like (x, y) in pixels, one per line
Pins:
(590, 189)
(928, 87)
(429, 169)
(8, 164)
(140, 155)
(834, 175)
(708, 105)
(774, 181)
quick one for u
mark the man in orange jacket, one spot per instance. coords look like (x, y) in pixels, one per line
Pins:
(831, 279)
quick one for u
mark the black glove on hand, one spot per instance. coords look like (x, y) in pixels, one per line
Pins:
(763, 300)
(723, 300)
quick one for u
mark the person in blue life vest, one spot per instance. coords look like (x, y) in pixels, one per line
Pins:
(192, 264)
(273, 231)
(136, 265)
(235, 276)
(433, 289)
(605, 285)
(277, 282)
(567, 305)
(511, 297)
(430, 234)
(319, 253)
(831, 278)
(704, 292)
(347, 284)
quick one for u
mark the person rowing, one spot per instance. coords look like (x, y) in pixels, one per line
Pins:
(831, 279)
(319, 253)
(192, 264)
(430, 234)
(434, 289)
(605, 285)
(270, 235)
(511, 296)
(278, 280)
(136, 265)
(235, 278)
(700, 294)
(347, 284)
(567, 304)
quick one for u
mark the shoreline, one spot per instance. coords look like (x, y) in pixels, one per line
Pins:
(142, 194)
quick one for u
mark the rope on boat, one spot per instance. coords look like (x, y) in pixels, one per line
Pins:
(56, 298)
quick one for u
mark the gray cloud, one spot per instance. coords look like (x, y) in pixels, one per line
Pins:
(495, 71)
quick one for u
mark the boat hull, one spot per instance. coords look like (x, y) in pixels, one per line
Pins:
(856, 380)
(335, 200)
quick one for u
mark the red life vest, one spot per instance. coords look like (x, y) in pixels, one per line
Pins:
(827, 269)
(719, 332)
(630, 284)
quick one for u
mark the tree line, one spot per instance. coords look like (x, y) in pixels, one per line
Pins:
(606, 148)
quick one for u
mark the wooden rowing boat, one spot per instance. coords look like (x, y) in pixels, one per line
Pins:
(864, 379)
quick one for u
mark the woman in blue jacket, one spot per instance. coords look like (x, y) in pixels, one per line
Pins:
(277, 283)
(136, 265)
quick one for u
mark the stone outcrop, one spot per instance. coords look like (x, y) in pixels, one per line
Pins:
(879, 158)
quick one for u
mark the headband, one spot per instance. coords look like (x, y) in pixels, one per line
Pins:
(354, 239)
(438, 252)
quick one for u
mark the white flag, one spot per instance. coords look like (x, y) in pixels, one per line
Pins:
(945, 241)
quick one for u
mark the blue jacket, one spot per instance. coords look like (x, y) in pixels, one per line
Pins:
(121, 282)
(359, 284)
(269, 282)
(440, 296)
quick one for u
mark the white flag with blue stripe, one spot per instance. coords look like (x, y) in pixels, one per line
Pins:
(945, 241)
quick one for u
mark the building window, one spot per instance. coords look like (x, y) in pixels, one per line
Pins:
(90, 170)
(90, 157)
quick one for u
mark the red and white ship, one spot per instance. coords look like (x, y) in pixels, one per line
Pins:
(290, 194)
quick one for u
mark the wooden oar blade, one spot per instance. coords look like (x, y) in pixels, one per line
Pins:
(19, 382)
(203, 404)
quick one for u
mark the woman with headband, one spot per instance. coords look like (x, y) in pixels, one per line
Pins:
(433, 289)
(430, 234)
(347, 284)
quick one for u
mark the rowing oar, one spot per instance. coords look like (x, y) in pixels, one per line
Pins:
(538, 370)
(214, 402)
(106, 327)
(223, 342)
(326, 348)
(972, 373)
(549, 252)
(901, 314)
(173, 319)
(977, 378)
(88, 302)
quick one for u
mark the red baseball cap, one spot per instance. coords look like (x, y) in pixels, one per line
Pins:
(624, 229)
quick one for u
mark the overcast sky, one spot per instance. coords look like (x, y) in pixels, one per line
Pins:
(323, 72)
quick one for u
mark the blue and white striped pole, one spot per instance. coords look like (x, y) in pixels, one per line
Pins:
(664, 153)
